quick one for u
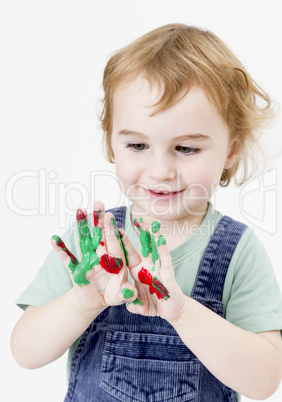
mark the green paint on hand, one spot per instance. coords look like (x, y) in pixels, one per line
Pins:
(138, 301)
(148, 242)
(155, 254)
(145, 240)
(118, 236)
(155, 226)
(97, 237)
(62, 245)
(127, 293)
(88, 246)
(161, 240)
(154, 283)
(135, 302)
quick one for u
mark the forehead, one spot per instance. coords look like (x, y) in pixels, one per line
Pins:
(139, 91)
(133, 105)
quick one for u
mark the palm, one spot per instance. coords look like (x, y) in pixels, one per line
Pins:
(101, 274)
(150, 301)
(154, 277)
(103, 288)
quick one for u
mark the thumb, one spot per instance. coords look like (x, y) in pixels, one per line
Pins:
(166, 271)
(128, 292)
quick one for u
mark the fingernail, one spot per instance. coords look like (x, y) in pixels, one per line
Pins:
(96, 216)
(161, 240)
(155, 226)
(57, 239)
(80, 215)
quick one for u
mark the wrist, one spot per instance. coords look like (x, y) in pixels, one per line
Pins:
(183, 316)
(77, 307)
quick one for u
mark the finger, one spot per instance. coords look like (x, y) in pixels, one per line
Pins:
(98, 211)
(133, 256)
(63, 252)
(98, 228)
(164, 256)
(161, 255)
(140, 304)
(155, 284)
(161, 248)
(128, 292)
(166, 271)
(157, 240)
(83, 228)
(144, 237)
(114, 242)
(137, 307)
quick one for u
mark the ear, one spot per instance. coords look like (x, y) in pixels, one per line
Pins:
(234, 149)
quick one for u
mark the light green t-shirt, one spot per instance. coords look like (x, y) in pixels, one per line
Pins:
(251, 296)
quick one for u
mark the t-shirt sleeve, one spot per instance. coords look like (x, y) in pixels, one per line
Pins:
(255, 302)
(52, 279)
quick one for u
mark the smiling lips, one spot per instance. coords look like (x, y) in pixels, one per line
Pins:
(163, 195)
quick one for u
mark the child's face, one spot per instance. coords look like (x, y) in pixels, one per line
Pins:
(169, 164)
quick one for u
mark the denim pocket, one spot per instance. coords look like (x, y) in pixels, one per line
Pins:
(148, 367)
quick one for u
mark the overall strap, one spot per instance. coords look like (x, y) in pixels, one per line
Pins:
(119, 214)
(214, 266)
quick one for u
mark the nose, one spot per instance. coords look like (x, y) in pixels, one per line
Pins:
(161, 168)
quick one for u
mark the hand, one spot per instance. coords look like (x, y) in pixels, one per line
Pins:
(100, 279)
(159, 294)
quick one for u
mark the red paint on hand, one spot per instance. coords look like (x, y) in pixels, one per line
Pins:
(96, 215)
(160, 290)
(111, 264)
(80, 215)
(62, 245)
(155, 285)
(135, 222)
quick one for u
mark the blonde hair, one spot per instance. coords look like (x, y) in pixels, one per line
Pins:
(177, 57)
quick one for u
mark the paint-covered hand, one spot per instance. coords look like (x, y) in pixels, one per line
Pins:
(158, 292)
(100, 278)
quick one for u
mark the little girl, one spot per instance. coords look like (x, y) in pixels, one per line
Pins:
(167, 300)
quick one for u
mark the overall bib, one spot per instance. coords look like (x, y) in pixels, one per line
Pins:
(128, 357)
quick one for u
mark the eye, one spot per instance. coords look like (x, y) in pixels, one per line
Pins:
(136, 147)
(187, 150)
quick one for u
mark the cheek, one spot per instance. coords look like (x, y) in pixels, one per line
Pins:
(127, 173)
(209, 169)
(204, 182)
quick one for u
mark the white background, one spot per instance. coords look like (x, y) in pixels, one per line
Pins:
(52, 59)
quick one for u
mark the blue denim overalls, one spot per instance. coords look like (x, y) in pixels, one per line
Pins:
(129, 357)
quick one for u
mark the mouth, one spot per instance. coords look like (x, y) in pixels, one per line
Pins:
(163, 195)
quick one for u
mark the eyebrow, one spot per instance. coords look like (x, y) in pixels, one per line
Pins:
(196, 136)
(128, 132)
